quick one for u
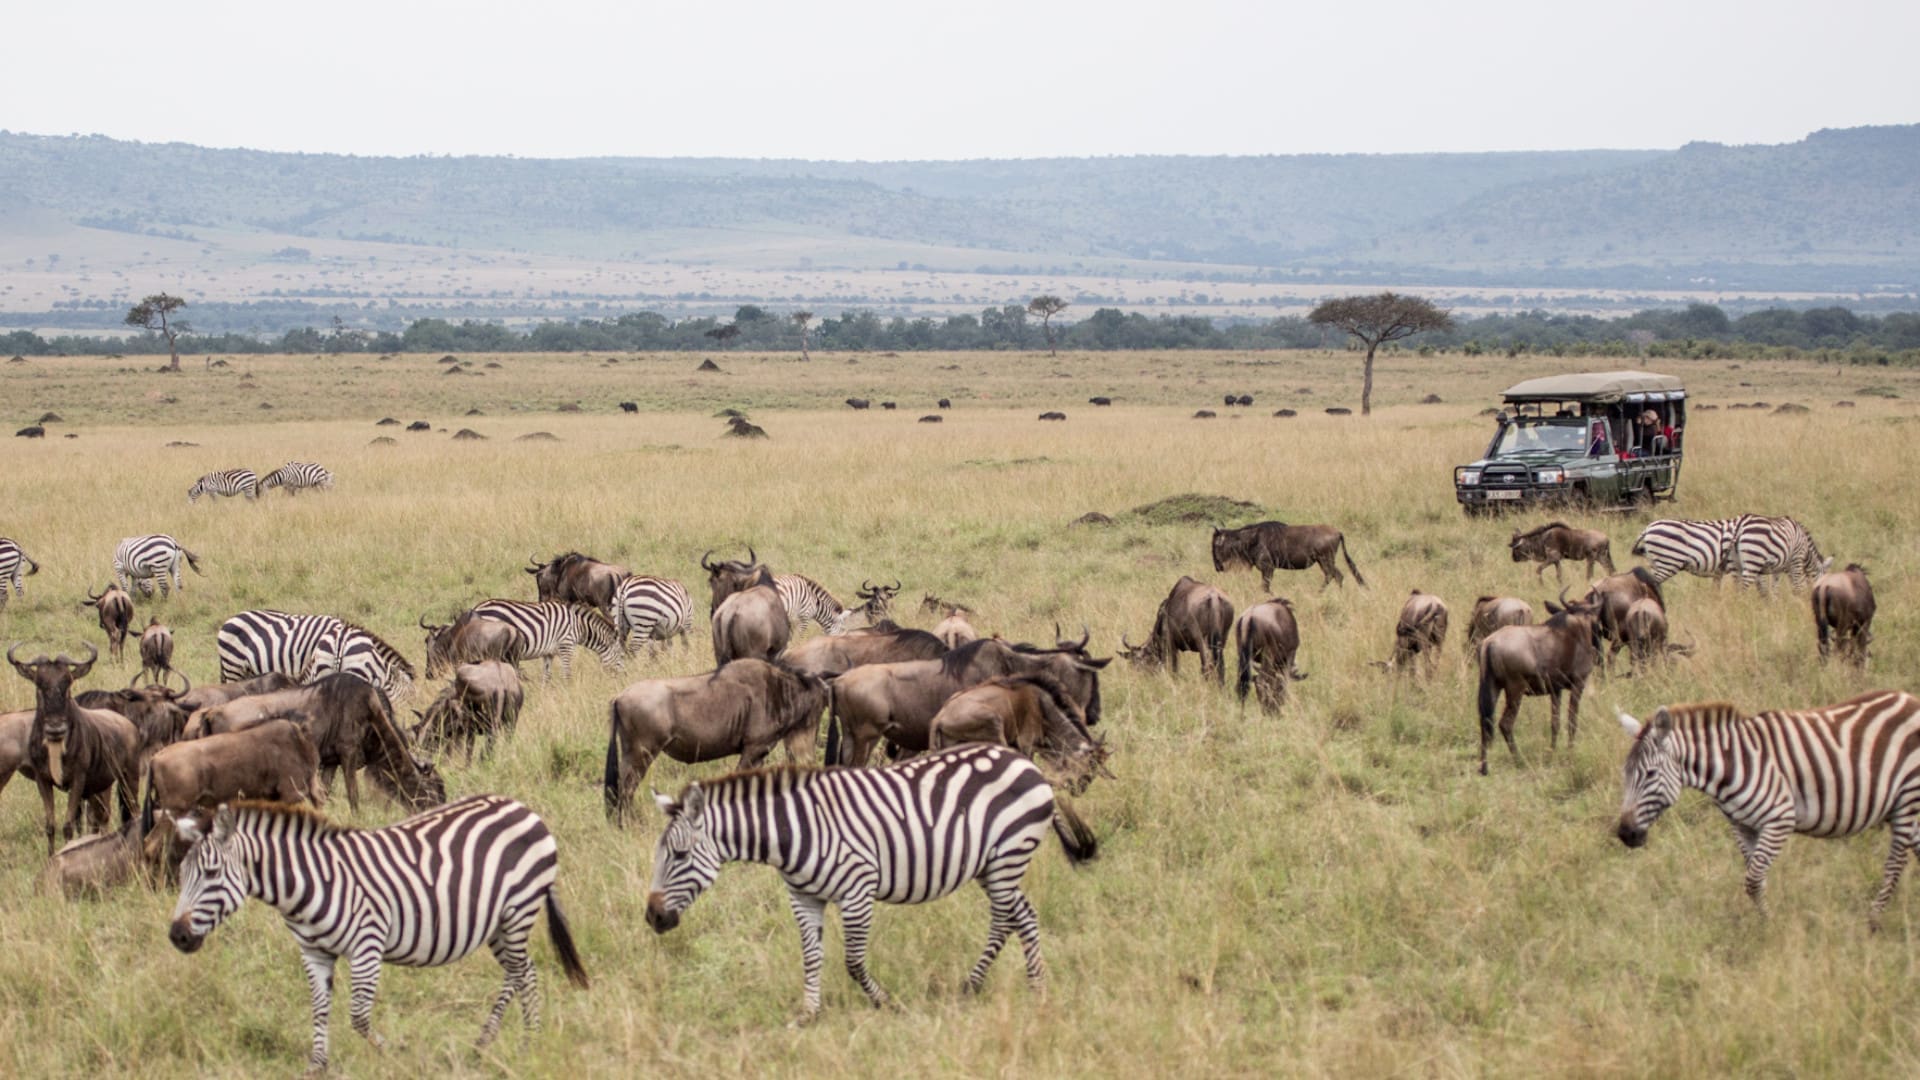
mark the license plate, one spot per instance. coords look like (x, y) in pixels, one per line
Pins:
(1507, 494)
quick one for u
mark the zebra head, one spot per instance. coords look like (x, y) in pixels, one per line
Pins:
(597, 632)
(685, 861)
(212, 885)
(1652, 776)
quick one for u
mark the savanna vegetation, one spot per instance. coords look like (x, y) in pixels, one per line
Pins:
(1328, 891)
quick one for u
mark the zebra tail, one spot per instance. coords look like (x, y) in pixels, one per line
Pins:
(32, 567)
(833, 727)
(193, 561)
(563, 943)
(1076, 839)
(1357, 579)
(611, 781)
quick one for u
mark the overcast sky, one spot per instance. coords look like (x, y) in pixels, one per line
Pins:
(844, 79)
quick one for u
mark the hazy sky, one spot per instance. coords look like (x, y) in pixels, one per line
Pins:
(845, 79)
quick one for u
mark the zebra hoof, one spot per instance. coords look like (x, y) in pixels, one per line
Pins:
(805, 1019)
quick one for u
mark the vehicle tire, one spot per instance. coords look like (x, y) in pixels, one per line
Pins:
(1643, 499)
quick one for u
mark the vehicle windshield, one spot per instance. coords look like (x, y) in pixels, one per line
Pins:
(1525, 438)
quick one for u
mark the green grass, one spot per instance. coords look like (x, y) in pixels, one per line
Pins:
(1329, 891)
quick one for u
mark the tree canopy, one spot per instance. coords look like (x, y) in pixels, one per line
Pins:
(1376, 320)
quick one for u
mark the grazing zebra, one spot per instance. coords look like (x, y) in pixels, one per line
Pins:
(900, 835)
(147, 559)
(1702, 548)
(421, 893)
(651, 610)
(1824, 772)
(807, 601)
(1766, 547)
(227, 482)
(295, 475)
(12, 581)
(358, 651)
(263, 642)
(550, 629)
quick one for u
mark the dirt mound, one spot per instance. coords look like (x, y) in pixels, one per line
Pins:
(538, 436)
(1791, 409)
(1192, 507)
(475, 412)
(1093, 518)
(1285, 413)
(1430, 399)
(1339, 410)
(1205, 414)
(728, 414)
(51, 418)
(571, 406)
(385, 440)
(181, 445)
(468, 433)
(708, 365)
(386, 422)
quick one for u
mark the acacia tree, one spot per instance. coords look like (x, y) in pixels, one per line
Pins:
(1047, 307)
(724, 334)
(801, 319)
(1376, 320)
(156, 313)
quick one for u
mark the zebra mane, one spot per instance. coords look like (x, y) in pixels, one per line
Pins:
(1696, 713)
(262, 808)
(785, 776)
(388, 653)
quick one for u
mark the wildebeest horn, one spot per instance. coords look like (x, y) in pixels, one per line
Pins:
(424, 626)
(93, 597)
(752, 559)
(866, 586)
(10, 658)
(704, 563)
(1563, 596)
(534, 565)
(1125, 645)
(896, 584)
(185, 689)
(1056, 632)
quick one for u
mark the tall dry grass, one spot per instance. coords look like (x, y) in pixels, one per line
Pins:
(1328, 891)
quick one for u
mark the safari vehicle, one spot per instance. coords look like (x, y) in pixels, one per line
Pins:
(1602, 439)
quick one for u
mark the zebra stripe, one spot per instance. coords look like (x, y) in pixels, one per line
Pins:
(12, 581)
(425, 892)
(807, 601)
(651, 610)
(262, 642)
(900, 835)
(226, 483)
(1766, 547)
(148, 559)
(295, 475)
(359, 651)
(1826, 772)
(550, 629)
(1702, 548)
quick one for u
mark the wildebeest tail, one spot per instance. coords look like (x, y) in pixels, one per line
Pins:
(146, 804)
(610, 783)
(1076, 839)
(1489, 693)
(192, 561)
(1245, 681)
(1357, 579)
(833, 726)
(563, 943)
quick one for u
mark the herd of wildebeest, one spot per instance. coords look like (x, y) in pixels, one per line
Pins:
(289, 711)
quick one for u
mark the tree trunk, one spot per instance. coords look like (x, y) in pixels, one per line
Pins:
(174, 348)
(1366, 385)
(805, 356)
(1047, 325)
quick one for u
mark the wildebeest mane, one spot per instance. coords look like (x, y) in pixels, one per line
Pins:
(1652, 583)
(1531, 533)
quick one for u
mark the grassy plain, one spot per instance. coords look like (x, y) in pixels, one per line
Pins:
(1327, 892)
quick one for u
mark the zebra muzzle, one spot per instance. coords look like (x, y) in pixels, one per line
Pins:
(1631, 835)
(658, 916)
(184, 938)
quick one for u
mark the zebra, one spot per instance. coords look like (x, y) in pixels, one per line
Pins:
(1766, 547)
(550, 628)
(263, 641)
(1702, 548)
(295, 475)
(904, 834)
(807, 601)
(649, 610)
(359, 651)
(1825, 772)
(147, 559)
(228, 482)
(12, 581)
(422, 893)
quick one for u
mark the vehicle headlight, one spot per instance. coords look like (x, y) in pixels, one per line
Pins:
(1467, 476)
(1551, 476)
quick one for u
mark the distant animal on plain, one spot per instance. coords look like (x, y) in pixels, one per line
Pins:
(1275, 545)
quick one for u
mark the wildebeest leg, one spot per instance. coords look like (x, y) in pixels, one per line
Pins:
(46, 804)
(1266, 579)
(800, 744)
(1573, 713)
(1507, 716)
(98, 817)
(352, 768)
(76, 805)
(1553, 724)
(1329, 572)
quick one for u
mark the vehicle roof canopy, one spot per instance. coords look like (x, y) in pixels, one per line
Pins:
(1598, 386)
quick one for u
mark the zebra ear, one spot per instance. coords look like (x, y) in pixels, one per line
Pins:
(222, 824)
(1627, 723)
(1662, 723)
(665, 803)
(693, 801)
(188, 829)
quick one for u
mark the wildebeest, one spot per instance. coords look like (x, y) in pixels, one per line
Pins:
(932, 418)
(31, 431)
(16, 731)
(351, 723)
(1843, 611)
(1195, 617)
(749, 618)
(1274, 545)
(1267, 638)
(211, 694)
(470, 639)
(154, 710)
(94, 864)
(1490, 613)
(878, 601)
(1053, 416)
(1646, 632)
(483, 699)
(629, 407)
(889, 405)
(897, 701)
(1530, 661)
(1099, 401)
(1420, 632)
(156, 650)
(1612, 596)
(944, 403)
(828, 657)
(1554, 541)
(858, 403)
(1230, 399)
(275, 760)
(744, 707)
(115, 610)
(419, 425)
(1245, 399)
(85, 752)
(1031, 713)
(954, 630)
(574, 578)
